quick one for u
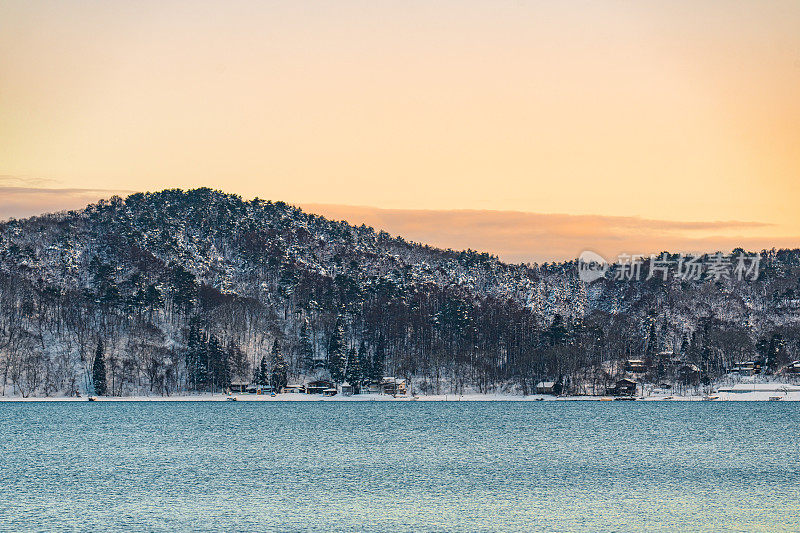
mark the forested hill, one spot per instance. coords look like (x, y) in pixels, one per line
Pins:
(192, 290)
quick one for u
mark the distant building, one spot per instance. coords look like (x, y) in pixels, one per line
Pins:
(687, 371)
(747, 368)
(793, 368)
(294, 388)
(347, 389)
(393, 386)
(373, 387)
(318, 387)
(548, 387)
(260, 389)
(238, 386)
(635, 366)
(623, 387)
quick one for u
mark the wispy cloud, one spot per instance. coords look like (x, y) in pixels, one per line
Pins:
(519, 237)
(22, 196)
(512, 235)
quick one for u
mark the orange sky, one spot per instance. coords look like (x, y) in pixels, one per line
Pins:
(667, 111)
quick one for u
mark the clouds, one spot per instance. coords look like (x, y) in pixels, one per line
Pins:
(517, 236)
(512, 235)
(27, 196)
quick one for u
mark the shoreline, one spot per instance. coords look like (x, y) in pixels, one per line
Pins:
(755, 396)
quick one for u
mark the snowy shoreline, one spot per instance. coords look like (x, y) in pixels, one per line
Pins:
(757, 396)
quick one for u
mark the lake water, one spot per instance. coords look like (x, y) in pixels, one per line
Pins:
(338, 466)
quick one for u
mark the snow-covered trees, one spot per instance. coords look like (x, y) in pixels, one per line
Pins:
(190, 289)
(99, 370)
(279, 375)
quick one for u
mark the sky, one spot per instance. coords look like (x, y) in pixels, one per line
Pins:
(529, 129)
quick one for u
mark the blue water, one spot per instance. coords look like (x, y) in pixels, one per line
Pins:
(337, 466)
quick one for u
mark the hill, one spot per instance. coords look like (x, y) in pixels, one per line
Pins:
(191, 290)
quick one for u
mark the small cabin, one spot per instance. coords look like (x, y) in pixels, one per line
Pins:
(238, 386)
(373, 387)
(393, 386)
(793, 368)
(635, 366)
(548, 387)
(747, 368)
(294, 388)
(623, 387)
(347, 389)
(318, 387)
(330, 392)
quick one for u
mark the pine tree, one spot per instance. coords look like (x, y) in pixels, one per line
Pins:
(336, 352)
(353, 373)
(263, 376)
(306, 347)
(193, 343)
(378, 361)
(363, 364)
(218, 367)
(99, 371)
(279, 368)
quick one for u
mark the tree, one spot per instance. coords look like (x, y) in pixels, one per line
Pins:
(306, 347)
(263, 375)
(363, 364)
(279, 368)
(99, 371)
(378, 361)
(218, 364)
(336, 352)
(353, 373)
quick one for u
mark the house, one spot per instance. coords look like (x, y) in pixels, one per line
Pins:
(347, 389)
(548, 387)
(393, 386)
(330, 392)
(318, 387)
(238, 386)
(294, 388)
(623, 387)
(793, 368)
(747, 368)
(260, 389)
(373, 387)
(687, 370)
(635, 366)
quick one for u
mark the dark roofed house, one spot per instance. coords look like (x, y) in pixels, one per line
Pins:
(623, 387)
(318, 387)
(635, 366)
(747, 368)
(548, 387)
(238, 386)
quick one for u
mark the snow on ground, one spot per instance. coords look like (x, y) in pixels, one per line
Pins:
(762, 393)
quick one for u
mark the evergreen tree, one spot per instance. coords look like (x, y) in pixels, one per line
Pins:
(353, 373)
(279, 368)
(306, 347)
(263, 375)
(363, 364)
(99, 371)
(336, 352)
(378, 361)
(219, 371)
(651, 347)
(193, 343)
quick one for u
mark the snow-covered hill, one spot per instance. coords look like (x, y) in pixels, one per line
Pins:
(139, 272)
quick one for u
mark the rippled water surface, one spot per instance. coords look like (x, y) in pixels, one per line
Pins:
(338, 466)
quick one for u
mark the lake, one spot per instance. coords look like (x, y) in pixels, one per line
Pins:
(412, 466)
